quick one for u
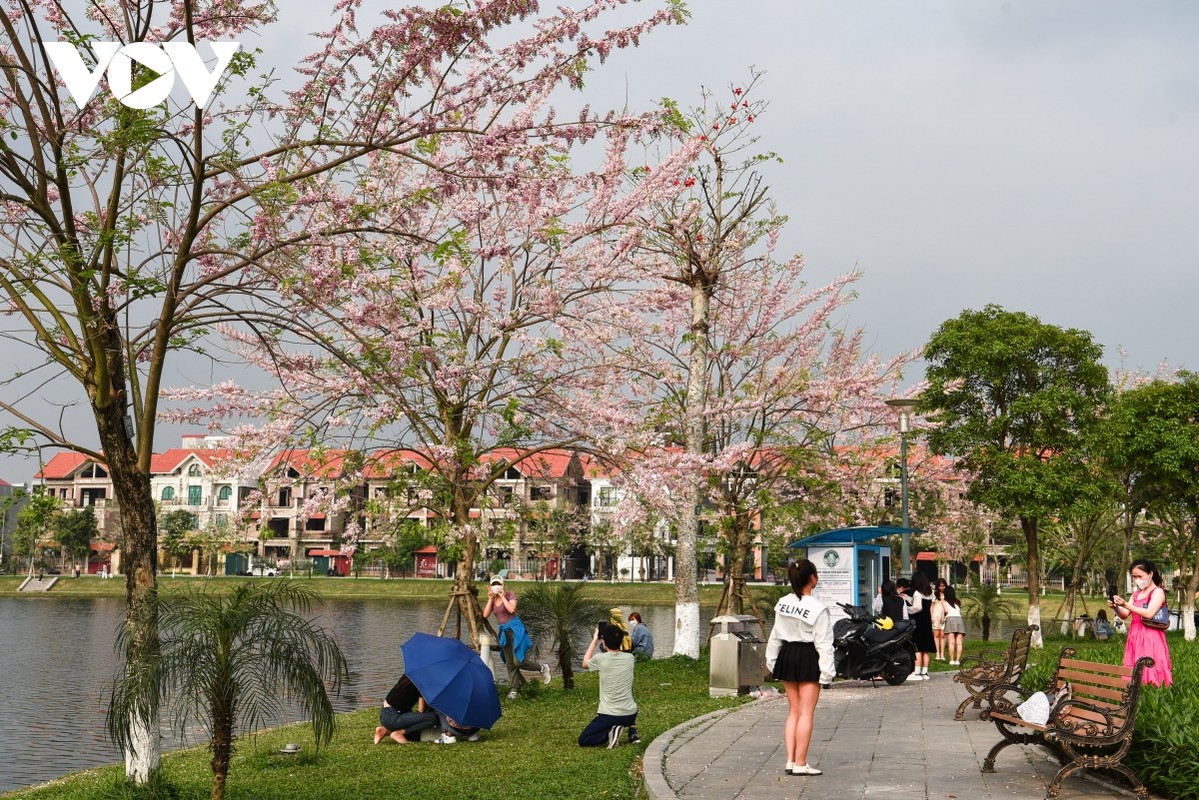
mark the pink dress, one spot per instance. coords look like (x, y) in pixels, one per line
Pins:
(1144, 641)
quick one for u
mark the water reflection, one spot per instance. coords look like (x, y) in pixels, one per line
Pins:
(58, 660)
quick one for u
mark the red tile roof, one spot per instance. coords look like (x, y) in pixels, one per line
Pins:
(331, 465)
(168, 462)
(63, 465)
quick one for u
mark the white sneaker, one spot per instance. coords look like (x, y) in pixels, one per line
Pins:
(805, 769)
(512, 695)
(614, 735)
(474, 737)
(445, 738)
(545, 674)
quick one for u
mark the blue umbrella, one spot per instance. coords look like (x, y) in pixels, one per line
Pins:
(453, 679)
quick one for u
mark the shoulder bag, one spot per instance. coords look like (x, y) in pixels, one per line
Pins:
(1159, 621)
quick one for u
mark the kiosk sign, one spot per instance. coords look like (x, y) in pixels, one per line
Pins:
(836, 584)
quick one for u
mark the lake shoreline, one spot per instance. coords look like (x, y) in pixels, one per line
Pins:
(622, 592)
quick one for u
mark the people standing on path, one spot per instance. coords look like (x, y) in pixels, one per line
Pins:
(1142, 641)
(516, 646)
(938, 613)
(397, 719)
(643, 639)
(920, 611)
(955, 626)
(617, 708)
(800, 654)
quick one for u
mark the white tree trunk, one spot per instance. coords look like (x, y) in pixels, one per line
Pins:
(1034, 618)
(686, 603)
(686, 628)
(143, 759)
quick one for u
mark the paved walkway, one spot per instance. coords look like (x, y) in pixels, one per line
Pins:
(895, 742)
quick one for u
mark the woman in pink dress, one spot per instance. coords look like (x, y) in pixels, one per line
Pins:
(1146, 599)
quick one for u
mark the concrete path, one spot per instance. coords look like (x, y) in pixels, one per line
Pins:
(894, 742)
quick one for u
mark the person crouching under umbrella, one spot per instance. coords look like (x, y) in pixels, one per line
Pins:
(397, 719)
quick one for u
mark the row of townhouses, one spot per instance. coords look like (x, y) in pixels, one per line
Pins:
(282, 512)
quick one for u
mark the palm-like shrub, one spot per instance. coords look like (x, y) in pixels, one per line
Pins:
(563, 614)
(984, 605)
(231, 662)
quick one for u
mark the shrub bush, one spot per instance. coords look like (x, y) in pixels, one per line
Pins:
(1167, 737)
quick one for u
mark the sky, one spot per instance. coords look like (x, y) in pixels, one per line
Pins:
(1037, 154)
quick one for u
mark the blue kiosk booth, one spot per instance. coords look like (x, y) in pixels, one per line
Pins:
(851, 562)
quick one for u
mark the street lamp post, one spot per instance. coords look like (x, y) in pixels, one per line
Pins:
(905, 407)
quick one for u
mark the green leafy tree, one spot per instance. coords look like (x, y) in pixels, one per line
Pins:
(75, 528)
(564, 614)
(1154, 433)
(1011, 397)
(33, 523)
(232, 662)
(175, 527)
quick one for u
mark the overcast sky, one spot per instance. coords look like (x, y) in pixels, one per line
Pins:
(1042, 155)
(1038, 154)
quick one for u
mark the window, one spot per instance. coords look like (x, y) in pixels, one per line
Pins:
(607, 496)
(168, 493)
(224, 493)
(194, 495)
(284, 498)
(541, 493)
(193, 470)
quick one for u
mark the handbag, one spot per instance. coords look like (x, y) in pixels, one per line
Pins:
(1159, 621)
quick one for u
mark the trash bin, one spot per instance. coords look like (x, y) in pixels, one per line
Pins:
(737, 656)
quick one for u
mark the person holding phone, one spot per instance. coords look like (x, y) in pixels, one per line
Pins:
(617, 708)
(1146, 599)
(516, 646)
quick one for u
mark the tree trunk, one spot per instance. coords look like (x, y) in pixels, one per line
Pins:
(466, 602)
(686, 605)
(1029, 526)
(222, 753)
(139, 560)
(1187, 606)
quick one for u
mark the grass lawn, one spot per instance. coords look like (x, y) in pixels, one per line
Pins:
(532, 753)
(360, 588)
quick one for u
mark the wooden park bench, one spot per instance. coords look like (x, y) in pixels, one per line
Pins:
(990, 668)
(1090, 729)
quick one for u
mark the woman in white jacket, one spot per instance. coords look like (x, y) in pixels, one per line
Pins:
(800, 654)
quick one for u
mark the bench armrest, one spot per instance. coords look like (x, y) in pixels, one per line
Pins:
(1001, 698)
(1066, 726)
(980, 670)
(989, 656)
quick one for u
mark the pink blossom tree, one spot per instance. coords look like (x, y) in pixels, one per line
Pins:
(453, 322)
(734, 357)
(133, 233)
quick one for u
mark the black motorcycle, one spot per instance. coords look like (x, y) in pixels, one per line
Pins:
(864, 651)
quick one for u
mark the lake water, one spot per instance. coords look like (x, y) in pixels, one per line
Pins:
(57, 664)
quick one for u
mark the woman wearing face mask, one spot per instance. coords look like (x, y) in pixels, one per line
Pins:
(1146, 599)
